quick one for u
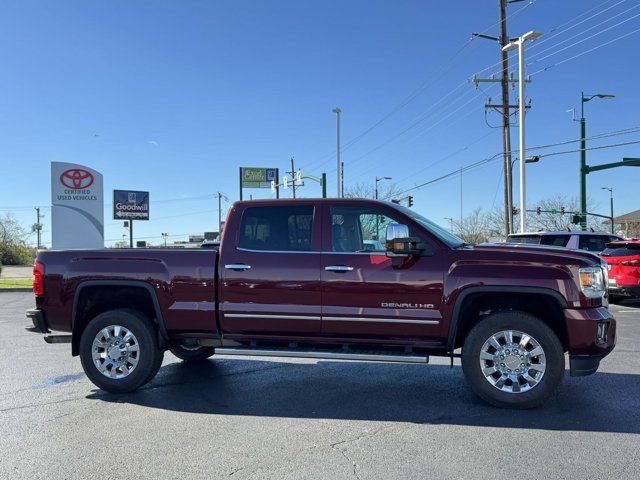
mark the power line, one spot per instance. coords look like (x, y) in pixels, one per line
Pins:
(487, 160)
(553, 65)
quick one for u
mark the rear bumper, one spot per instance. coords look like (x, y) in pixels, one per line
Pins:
(592, 336)
(38, 319)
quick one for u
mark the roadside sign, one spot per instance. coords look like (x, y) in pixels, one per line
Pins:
(130, 205)
(77, 215)
(254, 177)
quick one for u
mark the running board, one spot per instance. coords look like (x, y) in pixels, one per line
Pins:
(362, 356)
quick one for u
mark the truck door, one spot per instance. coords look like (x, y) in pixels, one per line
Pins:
(369, 295)
(270, 271)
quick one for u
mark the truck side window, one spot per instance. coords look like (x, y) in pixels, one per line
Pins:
(281, 228)
(357, 229)
(592, 243)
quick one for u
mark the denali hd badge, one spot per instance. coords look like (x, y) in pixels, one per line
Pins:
(413, 306)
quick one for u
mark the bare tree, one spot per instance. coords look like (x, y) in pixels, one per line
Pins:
(474, 228)
(386, 191)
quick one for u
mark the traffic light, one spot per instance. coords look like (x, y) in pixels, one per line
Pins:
(538, 210)
(561, 210)
(515, 210)
(410, 201)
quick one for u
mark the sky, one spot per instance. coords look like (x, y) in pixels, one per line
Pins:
(173, 96)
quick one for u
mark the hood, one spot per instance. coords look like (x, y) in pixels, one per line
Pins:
(539, 253)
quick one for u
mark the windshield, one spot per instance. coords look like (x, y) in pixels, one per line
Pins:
(447, 237)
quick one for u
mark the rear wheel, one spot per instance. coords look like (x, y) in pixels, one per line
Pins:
(513, 359)
(195, 353)
(119, 350)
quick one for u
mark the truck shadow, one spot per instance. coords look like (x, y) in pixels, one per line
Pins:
(604, 402)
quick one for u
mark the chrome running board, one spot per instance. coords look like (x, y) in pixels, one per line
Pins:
(362, 356)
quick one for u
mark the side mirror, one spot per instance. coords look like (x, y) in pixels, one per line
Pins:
(399, 243)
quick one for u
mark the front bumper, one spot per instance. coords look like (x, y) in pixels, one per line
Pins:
(39, 322)
(592, 336)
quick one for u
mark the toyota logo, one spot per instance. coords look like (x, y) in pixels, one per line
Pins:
(76, 179)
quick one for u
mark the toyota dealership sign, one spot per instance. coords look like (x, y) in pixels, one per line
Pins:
(77, 207)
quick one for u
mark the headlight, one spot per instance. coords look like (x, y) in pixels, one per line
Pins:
(592, 282)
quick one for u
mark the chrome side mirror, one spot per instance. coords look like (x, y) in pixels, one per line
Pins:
(399, 243)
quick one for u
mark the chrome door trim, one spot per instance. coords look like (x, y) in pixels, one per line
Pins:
(380, 320)
(272, 316)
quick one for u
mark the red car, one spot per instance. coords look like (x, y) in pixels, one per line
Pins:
(623, 260)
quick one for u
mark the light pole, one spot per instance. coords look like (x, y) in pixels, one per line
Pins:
(340, 193)
(611, 200)
(583, 156)
(450, 222)
(164, 236)
(519, 44)
(379, 179)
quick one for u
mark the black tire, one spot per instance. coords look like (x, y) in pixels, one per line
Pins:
(189, 354)
(149, 356)
(540, 333)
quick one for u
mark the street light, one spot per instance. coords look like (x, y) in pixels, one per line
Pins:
(583, 155)
(340, 193)
(532, 159)
(611, 199)
(379, 179)
(164, 236)
(519, 44)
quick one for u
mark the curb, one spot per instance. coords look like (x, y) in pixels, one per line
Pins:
(6, 290)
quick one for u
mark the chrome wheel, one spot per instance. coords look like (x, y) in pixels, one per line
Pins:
(512, 361)
(115, 351)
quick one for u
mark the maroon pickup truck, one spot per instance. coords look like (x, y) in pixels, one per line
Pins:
(312, 278)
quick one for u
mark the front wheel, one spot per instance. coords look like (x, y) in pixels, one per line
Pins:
(513, 359)
(119, 350)
(194, 353)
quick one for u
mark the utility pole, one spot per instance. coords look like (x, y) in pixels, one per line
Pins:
(38, 226)
(505, 111)
(219, 212)
(293, 177)
(506, 126)
(341, 179)
(339, 165)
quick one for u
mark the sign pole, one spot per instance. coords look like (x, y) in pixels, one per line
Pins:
(240, 177)
(324, 185)
(130, 233)
(277, 183)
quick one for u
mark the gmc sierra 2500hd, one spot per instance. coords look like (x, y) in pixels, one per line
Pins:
(311, 278)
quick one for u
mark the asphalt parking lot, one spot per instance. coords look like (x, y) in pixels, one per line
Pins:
(296, 419)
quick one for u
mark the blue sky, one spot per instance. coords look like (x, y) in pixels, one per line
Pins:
(172, 97)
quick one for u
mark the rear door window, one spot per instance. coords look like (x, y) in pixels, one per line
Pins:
(280, 228)
(593, 243)
(555, 240)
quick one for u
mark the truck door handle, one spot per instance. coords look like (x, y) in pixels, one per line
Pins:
(338, 268)
(237, 266)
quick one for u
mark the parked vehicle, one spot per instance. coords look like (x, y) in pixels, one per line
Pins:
(299, 278)
(575, 240)
(623, 261)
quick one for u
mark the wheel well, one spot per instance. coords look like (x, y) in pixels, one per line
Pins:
(94, 300)
(476, 306)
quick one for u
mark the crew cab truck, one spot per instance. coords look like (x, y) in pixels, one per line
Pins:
(311, 278)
